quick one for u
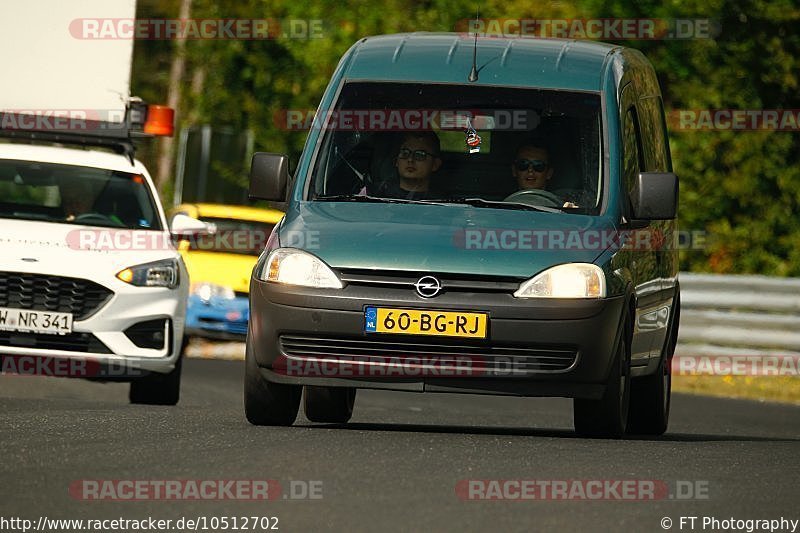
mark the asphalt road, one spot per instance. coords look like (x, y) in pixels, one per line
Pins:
(395, 466)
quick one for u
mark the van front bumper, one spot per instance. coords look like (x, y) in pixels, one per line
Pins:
(306, 336)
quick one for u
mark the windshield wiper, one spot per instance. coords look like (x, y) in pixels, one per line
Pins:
(376, 199)
(480, 202)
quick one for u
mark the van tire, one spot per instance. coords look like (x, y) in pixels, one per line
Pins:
(650, 399)
(157, 389)
(267, 403)
(332, 405)
(651, 395)
(608, 416)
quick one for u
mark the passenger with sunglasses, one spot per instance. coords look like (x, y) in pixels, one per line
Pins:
(531, 167)
(532, 170)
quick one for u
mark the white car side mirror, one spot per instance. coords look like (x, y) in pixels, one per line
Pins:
(184, 226)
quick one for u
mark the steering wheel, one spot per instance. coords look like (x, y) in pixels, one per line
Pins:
(97, 217)
(535, 197)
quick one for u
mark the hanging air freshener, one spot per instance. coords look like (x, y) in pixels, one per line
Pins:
(472, 138)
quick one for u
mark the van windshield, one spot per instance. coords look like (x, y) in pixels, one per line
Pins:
(71, 194)
(493, 147)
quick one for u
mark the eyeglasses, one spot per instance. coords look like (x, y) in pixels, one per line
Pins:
(537, 165)
(418, 155)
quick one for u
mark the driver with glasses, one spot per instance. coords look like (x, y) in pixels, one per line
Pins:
(415, 162)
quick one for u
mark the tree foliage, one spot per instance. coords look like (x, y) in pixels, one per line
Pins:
(742, 188)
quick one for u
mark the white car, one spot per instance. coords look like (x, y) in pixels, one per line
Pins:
(88, 271)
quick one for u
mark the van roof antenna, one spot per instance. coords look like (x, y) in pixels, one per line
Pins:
(473, 74)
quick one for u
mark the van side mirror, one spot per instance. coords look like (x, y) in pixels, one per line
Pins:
(655, 196)
(269, 174)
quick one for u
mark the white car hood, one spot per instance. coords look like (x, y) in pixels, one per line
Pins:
(77, 251)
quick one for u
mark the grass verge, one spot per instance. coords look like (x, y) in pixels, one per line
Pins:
(784, 389)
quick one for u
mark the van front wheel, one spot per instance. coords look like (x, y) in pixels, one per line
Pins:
(333, 405)
(650, 395)
(267, 403)
(608, 416)
(651, 398)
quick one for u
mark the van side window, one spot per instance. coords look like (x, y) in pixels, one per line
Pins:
(632, 149)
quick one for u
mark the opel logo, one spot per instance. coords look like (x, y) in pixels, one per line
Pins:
(428, 286)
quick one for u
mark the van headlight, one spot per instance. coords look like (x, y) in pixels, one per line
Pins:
(164, 273)
(573, 280)
(296, 267)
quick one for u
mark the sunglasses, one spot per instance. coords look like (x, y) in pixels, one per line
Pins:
(536, 164)
(418, 155)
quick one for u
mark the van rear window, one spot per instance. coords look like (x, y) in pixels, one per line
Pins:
(439, 142)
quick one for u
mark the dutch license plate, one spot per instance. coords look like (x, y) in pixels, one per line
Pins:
(27, 321)
(425, 322)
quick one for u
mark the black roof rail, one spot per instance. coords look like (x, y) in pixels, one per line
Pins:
(77, 130)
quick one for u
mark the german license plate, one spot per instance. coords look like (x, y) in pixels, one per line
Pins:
(25, 320)
(425, 322)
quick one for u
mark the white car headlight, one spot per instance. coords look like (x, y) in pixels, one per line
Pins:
(207, 291)
(164, 273)
(573, 280)
(296, 267)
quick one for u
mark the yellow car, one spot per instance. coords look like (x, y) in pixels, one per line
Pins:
(219, 265)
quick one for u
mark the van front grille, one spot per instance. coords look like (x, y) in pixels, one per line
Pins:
(485, 360)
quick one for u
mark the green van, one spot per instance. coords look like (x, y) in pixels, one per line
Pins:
(481, 216)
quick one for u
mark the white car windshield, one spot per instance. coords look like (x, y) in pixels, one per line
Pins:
(72, 194)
